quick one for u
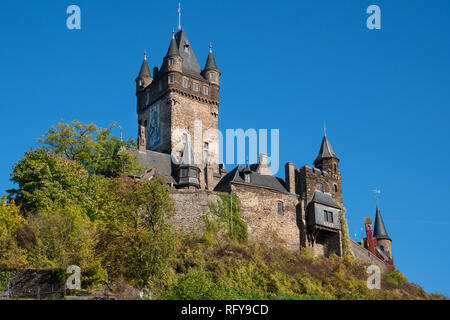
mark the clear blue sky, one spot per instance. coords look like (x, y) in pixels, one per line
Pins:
(291, 65)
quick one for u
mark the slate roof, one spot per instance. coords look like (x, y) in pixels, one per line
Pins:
(236, 176)
(191, 66)
(326, 151)
(161, 161)
(188, 157)
(211, 62)
(379, 231)
(173, 48)
(145, 70)
(325, 199)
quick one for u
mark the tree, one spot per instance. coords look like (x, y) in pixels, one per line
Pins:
(11, 255)
(47, 181)
(134, 236)
(92, 146)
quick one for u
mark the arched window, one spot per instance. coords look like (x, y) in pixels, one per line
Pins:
(335, 188)
(334, 168)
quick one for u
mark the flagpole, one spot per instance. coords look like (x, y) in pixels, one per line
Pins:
(179, 16)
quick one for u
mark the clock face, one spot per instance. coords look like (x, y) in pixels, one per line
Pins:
(154, 126)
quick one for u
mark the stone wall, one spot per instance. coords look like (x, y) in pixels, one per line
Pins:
(190, 207)
(310, 179)
(35, 284)
(259, 209)
(362, 254)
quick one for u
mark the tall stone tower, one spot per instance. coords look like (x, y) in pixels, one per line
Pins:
(181, 101)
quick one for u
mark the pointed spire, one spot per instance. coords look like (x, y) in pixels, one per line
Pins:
(379, 231)
(211, 61)
(173, 48)
(188, 158)
(326, 151)
(247, 169)
(145, 70)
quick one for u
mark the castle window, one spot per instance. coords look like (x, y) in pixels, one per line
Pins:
(334, 168)
(382, 248)
(160, 86)
(184, 172)
(206, 152)
(170, 62)
(280, 208)
(335, 188)
(185, 83)
(321, 187)
(205, 90)
(195, 86)
(212, 76)
(328, 216)
(193, 173)
(171, 79)
(247, 178)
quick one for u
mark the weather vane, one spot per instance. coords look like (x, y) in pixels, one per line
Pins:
(377, 194)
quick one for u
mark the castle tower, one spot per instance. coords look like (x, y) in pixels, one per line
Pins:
(320, 202)
(182, 99)
(327, 161)
(144, 78)
(380, 233)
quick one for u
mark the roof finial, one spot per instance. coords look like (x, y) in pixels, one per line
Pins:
(173, 33)
(210, 47)
(377, 195)
(145, 55)
(179, 16)
(325, 129)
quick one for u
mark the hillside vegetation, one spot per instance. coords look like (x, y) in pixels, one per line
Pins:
(75, 204)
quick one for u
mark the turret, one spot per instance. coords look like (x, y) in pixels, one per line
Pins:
(144, 78)
(327, 159)
(173, 62)
(211, 72)
(380, 233)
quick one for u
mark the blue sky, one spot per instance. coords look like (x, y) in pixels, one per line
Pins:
(290, 65)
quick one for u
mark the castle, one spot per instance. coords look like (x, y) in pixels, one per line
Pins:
(302, 210)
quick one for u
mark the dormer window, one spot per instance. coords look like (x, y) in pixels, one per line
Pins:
(212, 76)
(171, 79)
(247, 177)
(185, 83)
(196, 86)
(205, 91)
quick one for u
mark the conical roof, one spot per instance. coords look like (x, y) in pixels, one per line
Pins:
(326, 151)
(211, 62)
(188, 158)
(145, 70)
(173, 48)
(379, 231)
(190, 62)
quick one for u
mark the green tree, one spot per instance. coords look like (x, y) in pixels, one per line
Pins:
(11, 255)
(134, 236)
(61, 238)
(94, 147)
(47, 181)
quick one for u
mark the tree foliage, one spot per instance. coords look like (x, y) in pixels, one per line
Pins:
(94, 147)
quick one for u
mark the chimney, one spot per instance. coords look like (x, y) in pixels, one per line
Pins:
(263, 167)
(290, 176)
